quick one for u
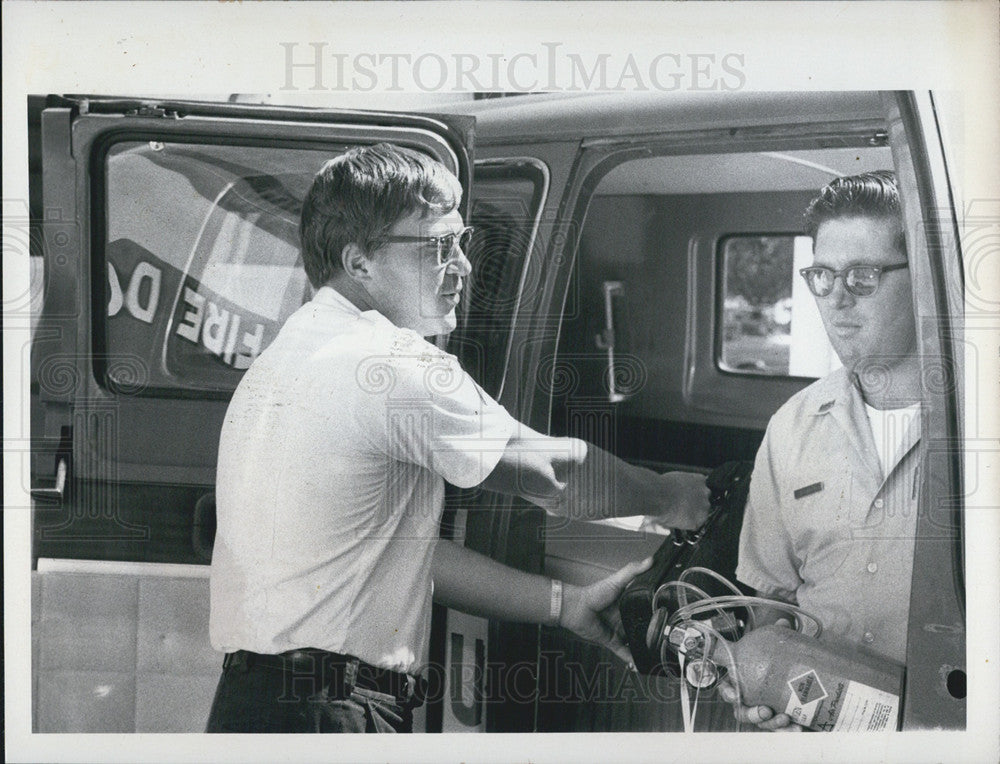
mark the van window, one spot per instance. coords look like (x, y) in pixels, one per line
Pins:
(768, 322)
(201, 259)
(508, 195)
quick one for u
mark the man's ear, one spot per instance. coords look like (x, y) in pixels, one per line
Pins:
(356, 262)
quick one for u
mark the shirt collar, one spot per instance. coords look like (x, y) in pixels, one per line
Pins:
(837, 393)
(844, 390)
(845, 404)
(329, 297)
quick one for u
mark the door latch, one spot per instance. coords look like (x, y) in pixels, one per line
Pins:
(56, 493)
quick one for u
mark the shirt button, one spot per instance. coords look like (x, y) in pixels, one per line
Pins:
(869, 637)
(872, 567)
(879, 503)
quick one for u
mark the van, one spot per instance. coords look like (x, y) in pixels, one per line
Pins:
(633, 284)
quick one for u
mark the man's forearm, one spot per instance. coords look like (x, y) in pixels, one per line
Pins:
(574, 479)
(476, 584)
(603, 486)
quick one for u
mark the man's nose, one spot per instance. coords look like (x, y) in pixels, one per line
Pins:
(459, 264)
(841, 297)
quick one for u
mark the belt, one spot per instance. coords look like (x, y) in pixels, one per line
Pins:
(339, 674)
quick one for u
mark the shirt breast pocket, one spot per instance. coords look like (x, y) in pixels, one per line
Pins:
(821, 525)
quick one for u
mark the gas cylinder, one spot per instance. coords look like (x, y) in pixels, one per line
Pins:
(825, 685)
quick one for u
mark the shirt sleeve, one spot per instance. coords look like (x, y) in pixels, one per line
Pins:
(767, 560)
(431, 413)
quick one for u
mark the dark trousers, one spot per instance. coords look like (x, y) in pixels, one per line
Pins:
(256, 698)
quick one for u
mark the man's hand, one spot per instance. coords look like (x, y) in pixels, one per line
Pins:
(683, 501)
(590, 612)
(761, 716)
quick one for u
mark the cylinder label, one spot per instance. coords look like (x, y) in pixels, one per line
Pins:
(844, 706)
(866, 709)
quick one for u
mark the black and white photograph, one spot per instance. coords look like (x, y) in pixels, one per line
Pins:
(504, 381)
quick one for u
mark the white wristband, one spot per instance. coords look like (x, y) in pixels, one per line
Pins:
(555, 604)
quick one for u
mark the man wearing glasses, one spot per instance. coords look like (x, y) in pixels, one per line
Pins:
(831, 514)
(332, 463)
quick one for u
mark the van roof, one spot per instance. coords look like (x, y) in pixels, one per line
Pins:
(562, 116)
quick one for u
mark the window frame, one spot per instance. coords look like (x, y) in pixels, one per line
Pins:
(101, 354)
(710, 395)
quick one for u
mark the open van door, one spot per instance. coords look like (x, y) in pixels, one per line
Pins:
(169, 233)
(171, 261)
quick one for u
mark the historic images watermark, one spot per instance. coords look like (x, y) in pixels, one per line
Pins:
(317, 66)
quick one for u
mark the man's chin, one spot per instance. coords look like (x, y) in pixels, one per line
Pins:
(440, 326)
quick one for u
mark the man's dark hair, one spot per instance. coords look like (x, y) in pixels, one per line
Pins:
(867, 195)
(361, 194)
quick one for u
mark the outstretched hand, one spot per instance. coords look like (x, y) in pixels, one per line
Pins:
(590, 612)
(684, 502)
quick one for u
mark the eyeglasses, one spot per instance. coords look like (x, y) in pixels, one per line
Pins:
(445, 245)
(860, 280)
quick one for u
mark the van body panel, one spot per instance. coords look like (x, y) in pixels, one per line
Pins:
(559, 117)
(935, 694)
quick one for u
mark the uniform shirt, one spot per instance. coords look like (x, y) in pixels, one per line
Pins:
(329, 488)
(824, 527)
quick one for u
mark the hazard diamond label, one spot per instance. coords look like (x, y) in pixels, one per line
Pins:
(807, 687)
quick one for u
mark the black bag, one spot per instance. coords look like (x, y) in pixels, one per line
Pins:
(715, 545)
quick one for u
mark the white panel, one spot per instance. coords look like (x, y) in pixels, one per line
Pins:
(811, 354)
(121, 568)
(464, 707)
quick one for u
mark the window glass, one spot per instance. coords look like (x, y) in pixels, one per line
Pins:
(507, 197)
(201, 256)
(504, 218)
(768, 320)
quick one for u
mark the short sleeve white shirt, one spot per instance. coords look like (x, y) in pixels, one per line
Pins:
(330, 485)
